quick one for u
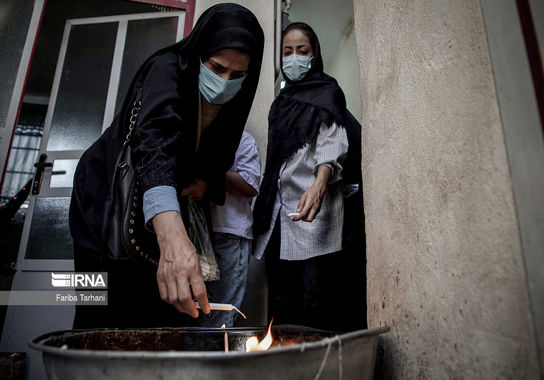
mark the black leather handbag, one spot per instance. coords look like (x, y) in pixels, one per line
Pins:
(124, 235)
(123, 201)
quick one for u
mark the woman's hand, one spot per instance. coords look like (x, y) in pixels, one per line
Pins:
(311, 199)
(196, 190)
(179, 275)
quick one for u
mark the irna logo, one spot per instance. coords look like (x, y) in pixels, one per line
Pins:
(78, 280)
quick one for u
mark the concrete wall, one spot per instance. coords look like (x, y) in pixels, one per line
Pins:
(343, 67)
(445, 260)
(255, 301)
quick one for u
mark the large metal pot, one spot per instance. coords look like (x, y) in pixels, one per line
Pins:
(198, 353)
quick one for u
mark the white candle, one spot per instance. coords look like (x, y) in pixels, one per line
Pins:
(225, 338)
(223, 307)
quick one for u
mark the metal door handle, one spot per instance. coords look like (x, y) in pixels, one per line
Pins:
(38, 176)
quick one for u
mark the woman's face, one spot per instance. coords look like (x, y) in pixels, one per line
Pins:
(296, 42)
(228, 63)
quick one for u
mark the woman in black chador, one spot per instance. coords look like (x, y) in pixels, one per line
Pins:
(308, 219)
(195, 100)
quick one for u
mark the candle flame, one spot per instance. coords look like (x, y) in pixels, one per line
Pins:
(253, 344)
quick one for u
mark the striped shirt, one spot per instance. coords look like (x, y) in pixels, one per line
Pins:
(302, 240)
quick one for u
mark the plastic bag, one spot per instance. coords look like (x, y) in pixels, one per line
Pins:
(198, 232)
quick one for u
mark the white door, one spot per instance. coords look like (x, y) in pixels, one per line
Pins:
(97, 60)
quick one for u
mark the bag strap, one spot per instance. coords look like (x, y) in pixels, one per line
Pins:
(107, 211)
(133, 117)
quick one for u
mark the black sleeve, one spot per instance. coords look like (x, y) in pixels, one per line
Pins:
(163, 137)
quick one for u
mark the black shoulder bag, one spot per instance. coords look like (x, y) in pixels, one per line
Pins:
(124, 235)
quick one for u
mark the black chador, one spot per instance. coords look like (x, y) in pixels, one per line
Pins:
(163, 154)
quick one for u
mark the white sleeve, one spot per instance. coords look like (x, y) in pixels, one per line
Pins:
(331, 148)
(248, 161)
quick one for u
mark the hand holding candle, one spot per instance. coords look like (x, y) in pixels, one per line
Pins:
(223, 307)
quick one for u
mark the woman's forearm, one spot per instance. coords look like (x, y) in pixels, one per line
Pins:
(311, 199)
(322, 177)
(169, 225)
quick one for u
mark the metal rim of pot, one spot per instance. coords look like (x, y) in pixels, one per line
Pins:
(38, 344)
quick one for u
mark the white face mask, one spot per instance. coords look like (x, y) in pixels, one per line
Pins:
(296, 66)
(215, 89)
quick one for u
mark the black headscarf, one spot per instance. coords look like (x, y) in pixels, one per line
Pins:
(294, 120)
(223, 26)
(170, 105)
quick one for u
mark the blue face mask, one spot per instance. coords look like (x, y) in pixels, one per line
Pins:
(296, 66)
(215, 89)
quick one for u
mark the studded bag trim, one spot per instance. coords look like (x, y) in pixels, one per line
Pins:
(124, 235)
